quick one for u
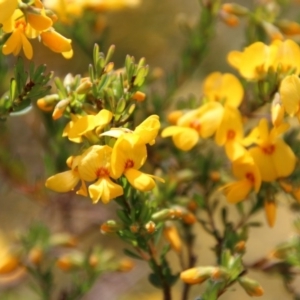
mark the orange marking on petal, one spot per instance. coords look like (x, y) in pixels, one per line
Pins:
(250, 177)
(268, 149)
(129, 164)
(195, 124)
(102, 172)
(230, 134)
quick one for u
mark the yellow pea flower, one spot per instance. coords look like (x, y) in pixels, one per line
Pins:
(147, 130)
(66, 181)
(254, 62)
(57, 43)
(230, 133)
(272, 155)
(287, 56)
(18, 39)
(128, 156)
(95, 165)
(225, 88)
(248, 175)
(290, 95)
(7, 8)
(80, 126)
(202, 122)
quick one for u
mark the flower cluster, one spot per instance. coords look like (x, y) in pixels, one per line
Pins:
(22, 22)
(102, 165)
(258, 156)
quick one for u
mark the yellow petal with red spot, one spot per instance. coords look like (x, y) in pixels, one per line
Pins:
(264, 163)
(237, 191)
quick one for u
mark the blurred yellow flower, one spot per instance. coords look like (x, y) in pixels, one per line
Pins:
(224, 88)
(94, 165)
(290, 95)
(7, 8)
(230, 133)
(202, 122)
(248, 175)
(272, 155)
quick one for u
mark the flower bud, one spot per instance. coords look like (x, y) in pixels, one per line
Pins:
(286, 186)
(110, 226)
(48, 102)
(172, 236)
(174, 116)
(214, 176)
(60, 108)
(288, 27)
(252, 287)
(270, 210)
(235, 9)
(272, 31)
(35, 256)
(134, 228)
(139, 96)
(109, 67)
(150, 227)
(93, 260)
(125, 265)
(84, 87)
(162, 215)
(189, 218)
(240, 247)
(229, 19)
(64, 263)
(197, 275)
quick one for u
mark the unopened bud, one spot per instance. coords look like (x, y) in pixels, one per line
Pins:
(214, 176)
(240, 247)
(110, 226)
(192, 205)
(174, 116)
(172, 236)
(64, 263)
(93, 260)
(277, 111)
(60, 108)
(235, 9)
(35, 256)
(161, 215)
(139, 96)
(288, 27)
(272, 31)
(197, 275)
(252, 287)
(150, 227)
(134, 228)
(270, 210)
(48, 102)
(109, 67)
(84, 87)
(125, 265)
(220, 274)
(64, 239)
(189, 218)
(229, 19)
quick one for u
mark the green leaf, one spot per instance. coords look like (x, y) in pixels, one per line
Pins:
(132, 254)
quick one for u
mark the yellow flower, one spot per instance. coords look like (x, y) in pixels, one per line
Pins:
(248, 175)
(68, 180)
(128, 156)
(147, 130)
(201, 122)
(225, 88)
(57, 43)
(254, 62)
(272, 155)
(197, 274)
(290, 95)
(17, 40)
(230, 133)
(80, 126)
(95, 165)
(287, 56)
(7, 8)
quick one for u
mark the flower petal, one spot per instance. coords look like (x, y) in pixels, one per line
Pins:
(63, 182)
(140, 181)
